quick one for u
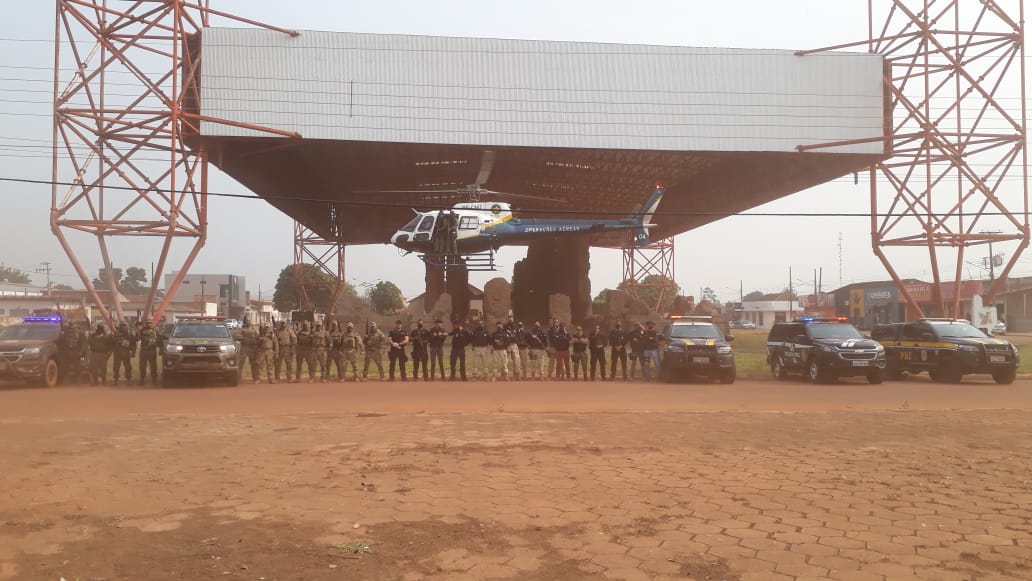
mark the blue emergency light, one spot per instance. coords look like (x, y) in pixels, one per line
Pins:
(53, 319)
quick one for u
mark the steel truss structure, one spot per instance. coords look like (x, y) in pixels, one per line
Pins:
(125, 108)
(327, 256)
(955, 125)
(651, 260)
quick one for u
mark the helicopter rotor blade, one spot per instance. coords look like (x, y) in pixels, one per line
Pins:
(487, 161)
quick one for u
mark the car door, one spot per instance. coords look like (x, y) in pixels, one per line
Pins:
(916, 352)
(796, 351)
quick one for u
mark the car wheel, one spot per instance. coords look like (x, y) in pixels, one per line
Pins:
(50, 374)
(233, 379)
(875, 377)
(168, 380)
(777, 369)
(1005, 376)
(728, 376)
(814, 373)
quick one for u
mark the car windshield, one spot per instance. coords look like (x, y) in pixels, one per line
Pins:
(30, 332)
(201, 332)
(833, 331)
(957, 331)
(695, 332)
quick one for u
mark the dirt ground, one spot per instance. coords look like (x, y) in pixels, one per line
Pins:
(551, 481)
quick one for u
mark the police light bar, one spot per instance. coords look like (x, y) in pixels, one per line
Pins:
(52, 319)
(690, 317)
(822, 319)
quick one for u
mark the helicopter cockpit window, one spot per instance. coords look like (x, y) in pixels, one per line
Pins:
(411, 226)
(468, 223)
(427, 224)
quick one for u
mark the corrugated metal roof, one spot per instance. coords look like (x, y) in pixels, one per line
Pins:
(469, 91)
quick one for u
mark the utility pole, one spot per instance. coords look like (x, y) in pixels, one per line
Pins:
(992, 259)
(44, 268)
(204, 306)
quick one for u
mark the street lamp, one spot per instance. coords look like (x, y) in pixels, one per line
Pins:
(204, 307)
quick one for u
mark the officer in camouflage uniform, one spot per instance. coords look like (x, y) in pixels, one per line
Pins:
(286, 339)
(320, 344)
(350, 348)
(266, 354)
(69, 353)
(334, 354)
(248, 348)
(101, 345)
(303, 352)
(149, 353)
(374, 341)
(124, 350)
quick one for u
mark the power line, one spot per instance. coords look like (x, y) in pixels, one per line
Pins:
(433, 206)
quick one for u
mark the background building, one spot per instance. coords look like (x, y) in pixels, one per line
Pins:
(227, 291)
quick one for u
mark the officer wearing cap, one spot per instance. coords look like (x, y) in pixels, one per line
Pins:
(149, 353)
(124, 349)
(373, 341)
(350, 348)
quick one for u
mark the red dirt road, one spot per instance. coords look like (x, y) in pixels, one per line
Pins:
(522, 480)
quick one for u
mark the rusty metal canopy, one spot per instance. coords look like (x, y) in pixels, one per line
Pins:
(304, 178)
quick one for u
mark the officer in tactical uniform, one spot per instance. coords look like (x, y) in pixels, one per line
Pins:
(100, 351)
(303, 353)
(398, 338)
(350, 348)
(124, 350)
(320, 343)
(374, 341)
(419, 338)
(266, 354)
(437, 336)
(69, 353)
(248, 348)
(286, 339)
(149, 353)
(334, 354)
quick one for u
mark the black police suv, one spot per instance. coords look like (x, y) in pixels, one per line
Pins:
(693, 345)
(947, 349)
(823, 350)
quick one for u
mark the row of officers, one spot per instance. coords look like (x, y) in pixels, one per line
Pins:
(509, 352)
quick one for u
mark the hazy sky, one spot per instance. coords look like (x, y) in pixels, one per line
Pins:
(250, 238)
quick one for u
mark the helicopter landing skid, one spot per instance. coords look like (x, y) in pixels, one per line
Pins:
(477, 262)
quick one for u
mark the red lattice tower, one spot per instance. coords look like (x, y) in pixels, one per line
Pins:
(641, 262)
(327, 256)
(122, 164)
(955, 125)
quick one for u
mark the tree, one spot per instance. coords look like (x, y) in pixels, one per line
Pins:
(64, 287)
(754, 296)
(134, 282)
(318, 285)
(13, 276)
(101, 282)
(131, 281)
(385, 298)
(654, 284)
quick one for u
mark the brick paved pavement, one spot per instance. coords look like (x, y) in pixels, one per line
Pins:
(764, 496)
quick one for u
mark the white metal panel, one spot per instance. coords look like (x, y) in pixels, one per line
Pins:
(422, 89)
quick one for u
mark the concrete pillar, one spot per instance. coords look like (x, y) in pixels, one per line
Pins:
(434, 285)
(552, 266)
(457, 286)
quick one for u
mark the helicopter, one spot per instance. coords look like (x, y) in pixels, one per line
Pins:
(477, 226)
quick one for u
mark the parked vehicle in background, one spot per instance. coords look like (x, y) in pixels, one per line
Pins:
(28, 351)
(947, 349)
(823, 350)
(234, 324)
(743, 324)
(1000, 328)
(201, 347)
